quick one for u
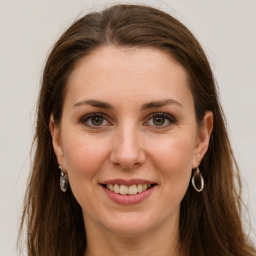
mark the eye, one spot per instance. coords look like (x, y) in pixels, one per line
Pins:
(95, 120)
(160, 120)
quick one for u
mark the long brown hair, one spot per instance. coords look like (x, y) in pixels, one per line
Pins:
(210, 222)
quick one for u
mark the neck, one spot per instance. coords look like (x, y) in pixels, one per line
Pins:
(158, 242)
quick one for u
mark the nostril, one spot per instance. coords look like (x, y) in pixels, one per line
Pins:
(127, 151)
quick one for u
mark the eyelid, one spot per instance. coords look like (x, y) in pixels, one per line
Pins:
(85, 118)
(169, 117)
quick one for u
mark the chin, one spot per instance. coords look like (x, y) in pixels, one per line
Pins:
(128, 230)
(130, 224)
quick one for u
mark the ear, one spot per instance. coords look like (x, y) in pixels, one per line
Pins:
(203, 138)
(56, 139)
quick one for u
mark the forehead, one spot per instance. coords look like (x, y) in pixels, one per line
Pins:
(128, 73)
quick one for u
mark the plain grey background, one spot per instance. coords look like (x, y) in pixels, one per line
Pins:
(28, 29)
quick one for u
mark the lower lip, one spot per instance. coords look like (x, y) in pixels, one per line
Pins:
(128, 199)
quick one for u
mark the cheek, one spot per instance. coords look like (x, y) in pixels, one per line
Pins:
(174, 160)
(83, 156)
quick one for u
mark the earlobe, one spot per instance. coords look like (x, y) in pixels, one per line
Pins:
(203, 140)
(56, 139)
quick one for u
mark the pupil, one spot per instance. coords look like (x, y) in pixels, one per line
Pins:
(97, 121)
(158, 121)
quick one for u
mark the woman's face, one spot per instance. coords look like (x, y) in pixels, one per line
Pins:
(129, 124)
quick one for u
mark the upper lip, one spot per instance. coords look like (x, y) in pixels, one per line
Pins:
(127, 182)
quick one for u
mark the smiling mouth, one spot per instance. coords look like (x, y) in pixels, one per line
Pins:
(128, 190)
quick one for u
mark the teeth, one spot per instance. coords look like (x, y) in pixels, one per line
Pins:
(139, 188)
(116, 188)
(128, 190)
(132, 190)
(110, 187)
(123, 189)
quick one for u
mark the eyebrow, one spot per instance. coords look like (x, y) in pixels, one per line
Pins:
(149, 105)
(161, 103)
(94, 103)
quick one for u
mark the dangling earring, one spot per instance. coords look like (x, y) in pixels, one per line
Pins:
(63, 180)
(195, 180)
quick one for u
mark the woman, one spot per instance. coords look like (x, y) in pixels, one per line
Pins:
(132, 154)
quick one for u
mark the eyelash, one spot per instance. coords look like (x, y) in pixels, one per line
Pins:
(165, 116)
(89, 118)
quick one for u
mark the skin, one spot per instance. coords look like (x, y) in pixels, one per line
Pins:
(129, 143)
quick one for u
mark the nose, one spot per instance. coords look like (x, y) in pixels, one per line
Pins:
(127, 149)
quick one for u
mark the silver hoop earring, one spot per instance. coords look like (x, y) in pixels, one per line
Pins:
(63, 180)
(196, 180)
